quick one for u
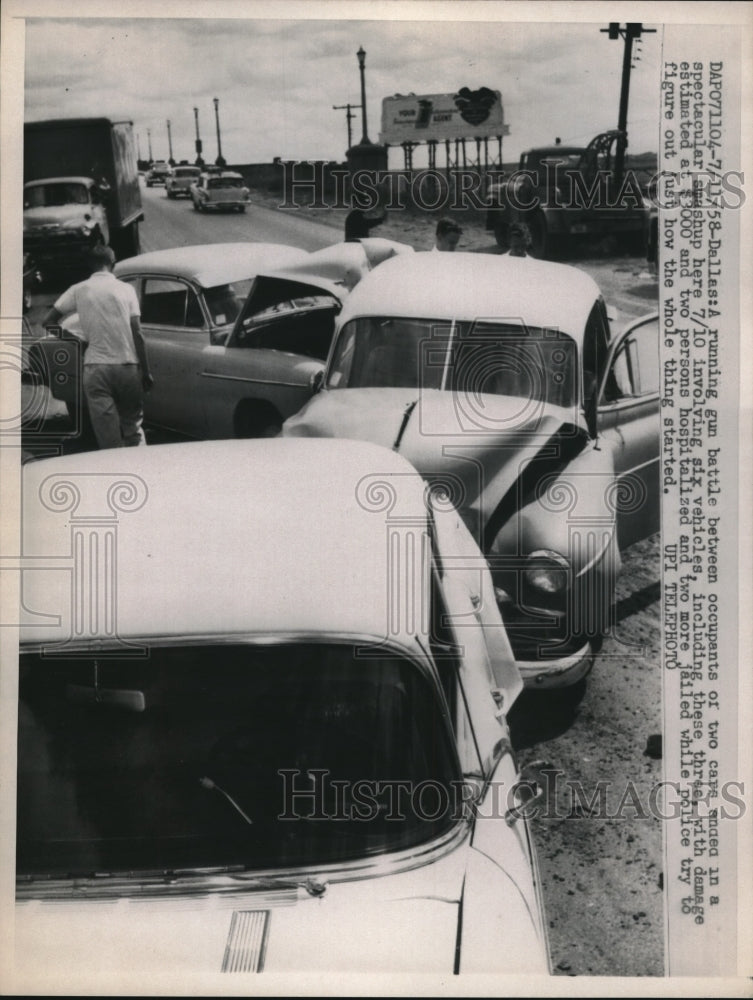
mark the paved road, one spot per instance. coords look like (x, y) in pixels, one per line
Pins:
(169, 223)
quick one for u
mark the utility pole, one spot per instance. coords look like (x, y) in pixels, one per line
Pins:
(171, 160)
(349, 116)
(220, 161)
(362, 69)
(149, 140)
(631, 31)
(199, 159)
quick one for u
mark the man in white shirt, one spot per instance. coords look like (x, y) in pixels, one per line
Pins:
(116, 368)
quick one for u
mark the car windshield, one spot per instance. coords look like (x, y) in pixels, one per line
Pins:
(226, 301)
(481, 357)
(245, 755)
(53, 195)
(225, 182)
(185, 172)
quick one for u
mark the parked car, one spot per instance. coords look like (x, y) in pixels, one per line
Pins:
(219, 190)
(215, 727)
(500, 378)
(179, 181)
(157, 173)
(237, 333)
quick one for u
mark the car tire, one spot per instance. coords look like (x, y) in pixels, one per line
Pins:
(541, 243)
(502, 234)
(257, 420)
(241, 208)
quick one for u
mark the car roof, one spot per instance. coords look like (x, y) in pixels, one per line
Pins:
(226, 537)
(68, 179)
(211, 264)
(468, 286)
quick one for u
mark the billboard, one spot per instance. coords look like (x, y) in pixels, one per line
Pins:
(466, 114)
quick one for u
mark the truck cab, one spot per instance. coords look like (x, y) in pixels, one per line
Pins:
(64, 217)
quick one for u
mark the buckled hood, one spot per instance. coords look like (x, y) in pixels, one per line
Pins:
(475, 445)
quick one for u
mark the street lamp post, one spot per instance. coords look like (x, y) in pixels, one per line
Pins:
(149, 140)
(171, 160)
(199, 160)
(362, 67)
(220, 161)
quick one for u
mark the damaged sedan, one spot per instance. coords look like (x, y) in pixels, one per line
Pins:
(238, 752)
(500, 380)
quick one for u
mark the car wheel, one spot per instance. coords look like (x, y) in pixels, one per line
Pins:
(257, 420)
(241, 208)
(502, 234)
(540, 239)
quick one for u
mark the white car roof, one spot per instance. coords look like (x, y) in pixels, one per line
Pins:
(467, 286)
(212, 264)
(222, 537)
(69, 179)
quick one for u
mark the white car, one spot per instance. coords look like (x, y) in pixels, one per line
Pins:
(500, 378)
(179, 180)
(223, 189)
(262, 721)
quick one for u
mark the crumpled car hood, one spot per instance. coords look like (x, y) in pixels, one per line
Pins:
(476, 446)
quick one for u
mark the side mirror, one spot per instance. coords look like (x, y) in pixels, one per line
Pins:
(317, 381)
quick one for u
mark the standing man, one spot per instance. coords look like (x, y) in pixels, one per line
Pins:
(115, 370)
(520, 240)
(447, 234)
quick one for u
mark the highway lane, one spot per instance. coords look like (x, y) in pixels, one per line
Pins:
(175, 223)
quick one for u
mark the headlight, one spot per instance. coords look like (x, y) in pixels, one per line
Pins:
(547, 571)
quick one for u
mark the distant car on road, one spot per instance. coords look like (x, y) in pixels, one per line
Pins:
(268, 732)
(237, 333)
(219, 190)
(179, 181)
(158, 173)
(499, 377)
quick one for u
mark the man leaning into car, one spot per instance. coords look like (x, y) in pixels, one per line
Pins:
(116, 369)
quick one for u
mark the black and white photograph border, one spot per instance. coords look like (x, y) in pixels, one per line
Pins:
(594, 758)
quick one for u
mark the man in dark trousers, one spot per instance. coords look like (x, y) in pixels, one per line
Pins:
(116, 369)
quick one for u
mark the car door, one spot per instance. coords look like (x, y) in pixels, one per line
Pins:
(628, 420)
(176, 331)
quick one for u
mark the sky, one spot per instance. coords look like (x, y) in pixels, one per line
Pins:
(277, 80)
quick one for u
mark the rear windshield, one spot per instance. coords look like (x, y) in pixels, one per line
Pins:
(259, 756)
(225, 182)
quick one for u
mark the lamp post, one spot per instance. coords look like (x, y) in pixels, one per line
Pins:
(220, 161)
(362, 67)
(171, 160)
(149, 140)
(199, 160)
